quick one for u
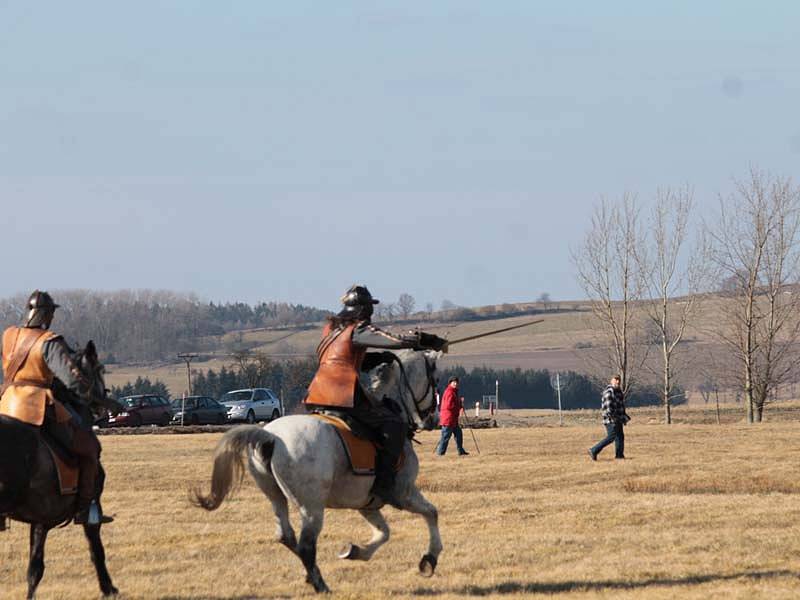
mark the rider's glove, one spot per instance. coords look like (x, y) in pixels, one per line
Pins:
(428, 341)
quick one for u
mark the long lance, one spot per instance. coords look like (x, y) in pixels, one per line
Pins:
(496, 331)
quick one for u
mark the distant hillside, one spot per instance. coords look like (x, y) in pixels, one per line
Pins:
(566, 340)
(140, 333)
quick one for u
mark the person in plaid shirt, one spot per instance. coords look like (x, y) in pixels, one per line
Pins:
(614, 419)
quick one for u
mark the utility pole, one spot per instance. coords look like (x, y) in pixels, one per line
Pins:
(555, 382)
(188, 357)
(558, 387)
(497, 393)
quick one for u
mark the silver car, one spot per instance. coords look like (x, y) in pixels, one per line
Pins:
(251, 405)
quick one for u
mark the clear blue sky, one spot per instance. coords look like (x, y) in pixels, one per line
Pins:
(264, 150)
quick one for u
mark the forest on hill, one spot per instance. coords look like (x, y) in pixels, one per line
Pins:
(149, 326)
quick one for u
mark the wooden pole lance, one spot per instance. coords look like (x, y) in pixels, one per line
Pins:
(496, 331)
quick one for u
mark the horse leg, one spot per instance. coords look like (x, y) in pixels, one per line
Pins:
(311, 519)
(380, 535)
(36, 561)
(283, 527)
(98, 555)
(416, 503)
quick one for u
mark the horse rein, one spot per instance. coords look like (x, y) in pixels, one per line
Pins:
(429, 371)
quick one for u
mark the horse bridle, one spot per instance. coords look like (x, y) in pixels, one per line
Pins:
(429, 375)
(91, 398)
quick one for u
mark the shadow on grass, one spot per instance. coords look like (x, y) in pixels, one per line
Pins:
(555, 587)
(196, 597)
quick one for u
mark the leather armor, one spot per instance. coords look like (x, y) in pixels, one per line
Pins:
(339, 363)
(27, 393)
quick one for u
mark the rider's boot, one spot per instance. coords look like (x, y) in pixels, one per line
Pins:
(87, 448)
(386, 464)
(385, 478)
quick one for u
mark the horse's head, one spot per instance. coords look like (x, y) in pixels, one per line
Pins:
(93, 390)
(411, 381)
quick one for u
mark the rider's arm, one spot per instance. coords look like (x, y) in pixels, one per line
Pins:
(369, 336)
(59, 359)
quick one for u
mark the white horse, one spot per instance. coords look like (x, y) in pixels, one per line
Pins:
(300, 458)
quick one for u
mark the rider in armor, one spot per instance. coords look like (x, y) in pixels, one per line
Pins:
(35, 362)
(336, 386)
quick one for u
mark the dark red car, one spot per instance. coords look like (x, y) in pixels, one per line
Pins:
(147, 409)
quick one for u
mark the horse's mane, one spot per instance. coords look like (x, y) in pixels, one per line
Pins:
(387, 380)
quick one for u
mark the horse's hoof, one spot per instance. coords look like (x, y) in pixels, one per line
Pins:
(112, 593)
(427, 566)
(320, 587)
(349, 552)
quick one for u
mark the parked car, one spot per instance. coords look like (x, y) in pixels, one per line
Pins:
(147, 409)
(251, 405)
(198, 410)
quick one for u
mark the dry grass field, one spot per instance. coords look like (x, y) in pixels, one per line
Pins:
(697, 511)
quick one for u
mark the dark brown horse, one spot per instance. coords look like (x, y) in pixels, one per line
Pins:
(29, 488)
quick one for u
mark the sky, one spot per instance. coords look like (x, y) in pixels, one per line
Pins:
(454, 150)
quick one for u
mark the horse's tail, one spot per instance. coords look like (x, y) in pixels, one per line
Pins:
(229, 463)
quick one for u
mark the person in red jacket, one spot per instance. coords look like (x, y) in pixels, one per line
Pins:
(448, 418)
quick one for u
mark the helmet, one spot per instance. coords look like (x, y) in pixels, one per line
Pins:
(358, 302)
(40, 309)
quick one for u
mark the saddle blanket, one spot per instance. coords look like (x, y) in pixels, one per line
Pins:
(360, 452)
(68, 471)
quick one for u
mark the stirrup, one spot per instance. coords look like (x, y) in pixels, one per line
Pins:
(90, 515)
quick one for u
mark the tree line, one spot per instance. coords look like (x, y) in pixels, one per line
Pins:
(534, 388)
(519, 388)
(146, 326)
(649, 274)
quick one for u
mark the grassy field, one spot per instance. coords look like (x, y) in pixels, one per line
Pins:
(697, 511)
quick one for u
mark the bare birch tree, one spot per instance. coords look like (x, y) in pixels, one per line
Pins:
(667, 272)
(756, 246)
(406, 304)
(608, 273)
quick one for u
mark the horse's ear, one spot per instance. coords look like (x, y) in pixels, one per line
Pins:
(91, 351)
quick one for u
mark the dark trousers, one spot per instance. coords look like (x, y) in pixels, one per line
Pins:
(389, 429)
(87, 447)
(615, 433)
(83, 443)
(441, 448)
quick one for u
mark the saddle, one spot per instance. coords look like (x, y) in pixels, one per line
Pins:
(360, 451)
(357, 442)
(66, 465)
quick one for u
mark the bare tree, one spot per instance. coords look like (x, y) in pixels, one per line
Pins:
(544, 300)
(756, 244)
(405, 305)
(386, 311)
(668, 273)
(608, 273)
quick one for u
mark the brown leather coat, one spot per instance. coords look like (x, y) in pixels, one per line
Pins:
(339, 363)
(27, 393)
